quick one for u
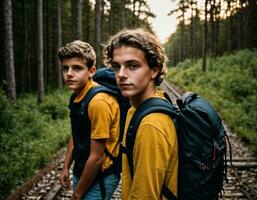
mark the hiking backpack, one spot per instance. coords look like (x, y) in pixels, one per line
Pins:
(106, 78)
(202, 143)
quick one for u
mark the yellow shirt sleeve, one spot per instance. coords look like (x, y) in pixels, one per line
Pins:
(104, 116)
(100, 116)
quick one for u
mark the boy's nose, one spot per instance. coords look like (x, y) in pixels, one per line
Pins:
(122, 72)
(69, 72)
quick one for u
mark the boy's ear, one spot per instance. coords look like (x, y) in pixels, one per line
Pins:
(92, 71)
(155, 72)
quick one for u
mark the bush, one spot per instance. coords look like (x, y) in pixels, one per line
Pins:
(52, 106)
(232, 78)
(6, 119)
(30, 134)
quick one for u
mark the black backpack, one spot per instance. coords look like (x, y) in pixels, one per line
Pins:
(202, 145)
(106, 78)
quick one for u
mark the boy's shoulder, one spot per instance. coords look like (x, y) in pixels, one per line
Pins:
(160, 124)
(104, 96)
(103, 100)
(157, 119)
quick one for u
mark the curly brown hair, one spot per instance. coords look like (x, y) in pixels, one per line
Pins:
(143, 40)
(78, 49)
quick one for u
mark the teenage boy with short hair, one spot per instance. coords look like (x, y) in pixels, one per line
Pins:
(95, 127)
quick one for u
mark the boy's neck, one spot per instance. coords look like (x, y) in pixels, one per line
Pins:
(137, 100)
(80, 94)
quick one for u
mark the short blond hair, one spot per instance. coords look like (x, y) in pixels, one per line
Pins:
(143, 40)
(78, 49)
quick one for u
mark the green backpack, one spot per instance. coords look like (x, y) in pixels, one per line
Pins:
(202, 143)
(106, 78)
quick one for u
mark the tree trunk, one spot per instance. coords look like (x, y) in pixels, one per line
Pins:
(46, 47)
(182, 8)
(59, 44)
(192, 30)
(87, 20)
(102, 25)
(76, 19)
(230, 39)
(123, 13)
(217, 27)
(205, 36)
(98, 23)
(134, 13)
(245, 28)
(181, 42)
(40, 63)
(212, 23)
(111, 18)
(8, 50)
(26, 80)
(252, 24)
(23, 69)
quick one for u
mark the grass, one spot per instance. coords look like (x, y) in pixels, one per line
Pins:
(30, 134)
(230, 84)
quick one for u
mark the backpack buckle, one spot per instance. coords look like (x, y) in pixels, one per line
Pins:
(204, 167)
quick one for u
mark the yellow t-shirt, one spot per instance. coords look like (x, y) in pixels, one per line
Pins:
(104, 115)
(155, 158)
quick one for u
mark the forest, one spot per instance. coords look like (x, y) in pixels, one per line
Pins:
(213, 49)
(31, 32)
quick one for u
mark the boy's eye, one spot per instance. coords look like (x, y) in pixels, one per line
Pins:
(133, 65)
(77, 68)
(65, 68)
(115, 66)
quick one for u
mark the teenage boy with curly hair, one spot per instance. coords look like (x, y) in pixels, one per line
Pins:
(139, 64)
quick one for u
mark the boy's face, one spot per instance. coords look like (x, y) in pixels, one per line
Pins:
(133, 74)
(76, 73)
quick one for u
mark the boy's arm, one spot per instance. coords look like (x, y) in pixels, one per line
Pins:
(64, 177)
(100, 116)
(91, 169)
(151, 157)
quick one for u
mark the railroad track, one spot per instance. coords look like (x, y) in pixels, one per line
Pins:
(242, 175)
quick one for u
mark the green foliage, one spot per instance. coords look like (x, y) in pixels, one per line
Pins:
(30, 134)
(6, 119)
(51, 107)
(230, 84)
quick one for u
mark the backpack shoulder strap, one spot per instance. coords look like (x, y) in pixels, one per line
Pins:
(151, 105)
(94, 90)
(89, 96)
(72, 98)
